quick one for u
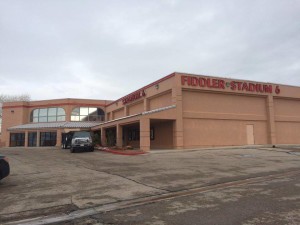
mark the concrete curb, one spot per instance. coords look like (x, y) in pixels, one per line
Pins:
(123, 153)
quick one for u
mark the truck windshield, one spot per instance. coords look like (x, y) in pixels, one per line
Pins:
(81, 134)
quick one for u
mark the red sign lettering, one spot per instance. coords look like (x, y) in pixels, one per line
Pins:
(233, 85)
(134, 96)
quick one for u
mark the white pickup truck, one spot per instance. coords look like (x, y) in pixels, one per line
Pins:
(81, 141)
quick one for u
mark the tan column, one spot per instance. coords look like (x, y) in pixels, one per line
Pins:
(68, 110)
(271, 122)
(103, 137)
(126, 111)
(146, 105)
(145, 134)
(58, 138)
(178, 123)
(38, 138)
(26, 139)
(119, 136)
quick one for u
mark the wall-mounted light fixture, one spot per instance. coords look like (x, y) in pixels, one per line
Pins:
(157, 86)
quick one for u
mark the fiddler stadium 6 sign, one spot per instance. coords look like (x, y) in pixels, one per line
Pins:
(232, 85)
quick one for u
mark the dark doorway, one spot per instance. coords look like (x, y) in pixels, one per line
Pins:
(110, 134)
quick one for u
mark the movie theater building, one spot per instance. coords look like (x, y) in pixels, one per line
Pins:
(44, 123)
(185, 111)
(190, 111)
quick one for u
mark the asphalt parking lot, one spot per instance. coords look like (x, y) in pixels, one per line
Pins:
(220, 186)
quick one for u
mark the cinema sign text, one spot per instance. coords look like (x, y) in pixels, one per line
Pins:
(232, 85)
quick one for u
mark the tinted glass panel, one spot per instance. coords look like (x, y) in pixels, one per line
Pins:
(61, 112)
(76, 112)
(43, 119)
(48, 115)
(43, 112)
(61, 118)
(75, 118)
(93, 111)
(17, 139)
(36, 113)
(52, 111)
(87, 114)
(51, 118)
(48, 139)
(93, 118)
(84, 118)
(32, 139)
(84, 111)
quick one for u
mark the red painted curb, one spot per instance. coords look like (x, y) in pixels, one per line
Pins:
(124, 153)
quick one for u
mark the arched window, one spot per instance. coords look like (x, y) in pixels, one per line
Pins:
(87, 114)
(47, 115)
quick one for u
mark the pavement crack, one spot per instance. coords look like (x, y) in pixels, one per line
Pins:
(135, 181)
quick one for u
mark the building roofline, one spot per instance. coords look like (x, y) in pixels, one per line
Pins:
(28, 104)
(235, 79)
(54, 125)
(145, 87)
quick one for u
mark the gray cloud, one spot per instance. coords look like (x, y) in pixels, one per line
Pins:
(105, 49)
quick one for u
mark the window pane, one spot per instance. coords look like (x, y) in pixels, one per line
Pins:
(100, 112)
(61, 112)
(74, 118)
(84, 111)
(61, 118)
(43, 119)
(32, 139)
(48, 139)
(17, 139)
(51, 118)
(43, 112)
(93, 111)
(93, 118)
(35, 119)
(36, 113)
(75, 112)
(52, 111)
(84, 118)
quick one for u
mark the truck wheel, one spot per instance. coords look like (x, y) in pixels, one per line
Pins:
(72, 150)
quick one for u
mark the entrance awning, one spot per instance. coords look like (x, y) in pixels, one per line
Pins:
(54, 125)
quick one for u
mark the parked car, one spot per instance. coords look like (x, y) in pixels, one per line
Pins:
(4, 167)
(81, 141)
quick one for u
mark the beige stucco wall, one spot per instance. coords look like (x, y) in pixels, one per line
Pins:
(287, 120)
(136, 108)
(162, 100)
(118, 113)
(220, 119)
(163, 135)
(212, 132)
(197, 101)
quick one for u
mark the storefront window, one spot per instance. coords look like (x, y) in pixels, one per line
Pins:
(48, 115)
(48, 139)
(133, 135)
(17, 139)
(32, 139)
(87, 114)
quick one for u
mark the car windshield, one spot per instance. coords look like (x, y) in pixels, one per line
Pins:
(82, 134)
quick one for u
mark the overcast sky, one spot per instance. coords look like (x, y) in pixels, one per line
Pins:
(106, 49)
